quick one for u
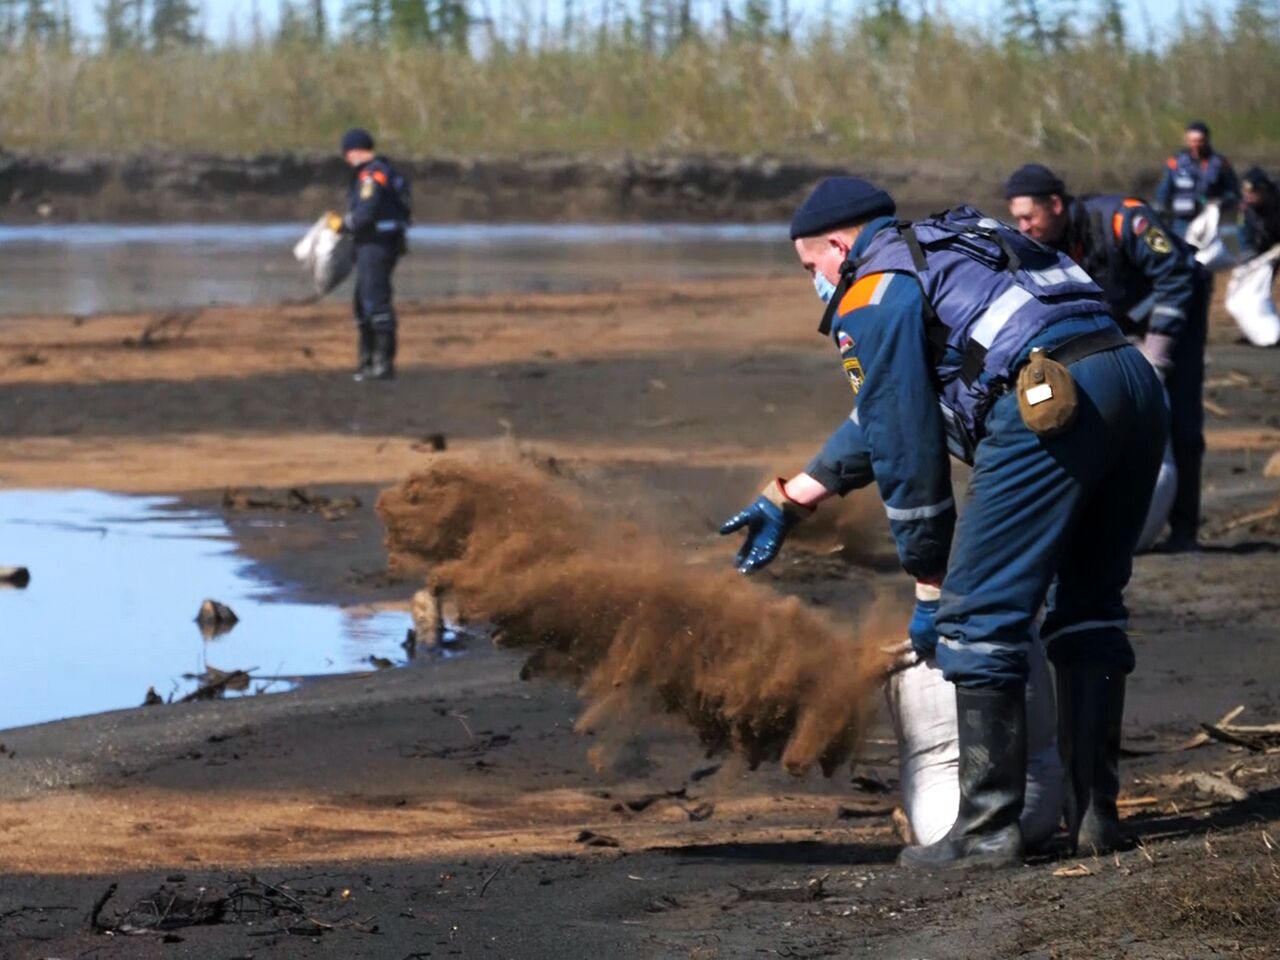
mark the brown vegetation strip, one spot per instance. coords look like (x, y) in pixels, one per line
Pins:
(109, 831)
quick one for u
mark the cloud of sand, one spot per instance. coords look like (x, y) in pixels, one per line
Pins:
(602, 604)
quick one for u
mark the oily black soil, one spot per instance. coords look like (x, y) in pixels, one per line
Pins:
(451, 808)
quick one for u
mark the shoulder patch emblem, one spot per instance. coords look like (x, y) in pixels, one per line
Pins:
(366, 189)
(844, 342)
(1157, 241)
(1140, 224)
(853, 370)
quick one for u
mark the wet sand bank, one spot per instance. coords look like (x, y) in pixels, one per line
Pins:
(448, 799)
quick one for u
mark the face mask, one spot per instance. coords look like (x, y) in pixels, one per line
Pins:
(825, 288)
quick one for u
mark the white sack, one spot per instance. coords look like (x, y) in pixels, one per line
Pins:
(1216, 239)
(326, 254)
(923, 708)
(1249, 299)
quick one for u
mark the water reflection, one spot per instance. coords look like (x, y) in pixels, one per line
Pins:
(89, 268)
(116, 583)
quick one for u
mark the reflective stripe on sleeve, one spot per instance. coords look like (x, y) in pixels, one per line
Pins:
(920, 513)
(878, 294)
(976, 646)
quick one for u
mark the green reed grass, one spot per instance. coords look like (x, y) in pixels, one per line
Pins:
(935, 95)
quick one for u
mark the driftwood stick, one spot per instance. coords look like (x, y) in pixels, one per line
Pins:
(98, 905)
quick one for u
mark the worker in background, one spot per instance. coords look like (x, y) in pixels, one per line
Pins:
(1157, 292)
(378, 216)
(956, 333)
(1260, 209)
(1194, 177)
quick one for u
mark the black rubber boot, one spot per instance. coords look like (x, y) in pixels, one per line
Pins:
(364, 352)
(384, 355)
(1090, 713)
(993, 781)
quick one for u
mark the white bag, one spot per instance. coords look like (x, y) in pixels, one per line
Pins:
(326, 254)
(923, 708)
(1249, 299)
(1217, 241)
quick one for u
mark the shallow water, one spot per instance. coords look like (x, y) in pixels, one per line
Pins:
(90, 268)
(115, 586)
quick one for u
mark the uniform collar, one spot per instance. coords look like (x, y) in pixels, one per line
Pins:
(848, 269)
(868, 234)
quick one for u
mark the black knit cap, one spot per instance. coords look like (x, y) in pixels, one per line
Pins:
(1199, 126)
(1256, 178)
(1034, 180)
(357, 139)
(838, 202)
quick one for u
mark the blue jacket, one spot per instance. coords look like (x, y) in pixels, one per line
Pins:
(907, 339)
(1188, 183)
(1150, 276)
(378, 203)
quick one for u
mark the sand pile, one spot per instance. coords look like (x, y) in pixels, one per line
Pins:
(608, 607)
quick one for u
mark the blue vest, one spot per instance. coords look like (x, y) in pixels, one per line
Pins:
(1192, 184)
(988, 291)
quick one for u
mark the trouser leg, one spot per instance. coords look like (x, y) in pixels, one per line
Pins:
(1028, 498)
(1186, 418)
(1085, 626)
(375, 263)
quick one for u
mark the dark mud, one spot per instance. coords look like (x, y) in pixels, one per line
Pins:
(448, 797)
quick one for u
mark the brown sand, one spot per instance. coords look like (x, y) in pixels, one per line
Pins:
(763, 675)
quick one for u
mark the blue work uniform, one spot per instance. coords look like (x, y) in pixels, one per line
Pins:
(378, 218)
(1153, 283)
(930, 341)
(1188, 184)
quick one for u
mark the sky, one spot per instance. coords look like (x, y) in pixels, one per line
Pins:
(1144, 16)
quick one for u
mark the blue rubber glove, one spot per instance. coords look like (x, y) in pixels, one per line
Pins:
(923, 630)
(767, 522)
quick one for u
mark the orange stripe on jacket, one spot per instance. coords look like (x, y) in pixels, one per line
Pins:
(377, 175)
(860, 294)
(1117, 222)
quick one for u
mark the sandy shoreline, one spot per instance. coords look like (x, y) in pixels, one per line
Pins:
(448, 798)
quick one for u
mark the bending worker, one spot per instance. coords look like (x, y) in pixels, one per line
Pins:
(1196, 176)
(378, 217)
(1156, 290)
(956, 332)
(1260, 208)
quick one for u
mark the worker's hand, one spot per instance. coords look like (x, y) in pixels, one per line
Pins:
(1158, 349)
(334, 221)
(767, 522)
(923, 630)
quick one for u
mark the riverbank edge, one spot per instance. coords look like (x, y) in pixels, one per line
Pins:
(159, 187)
